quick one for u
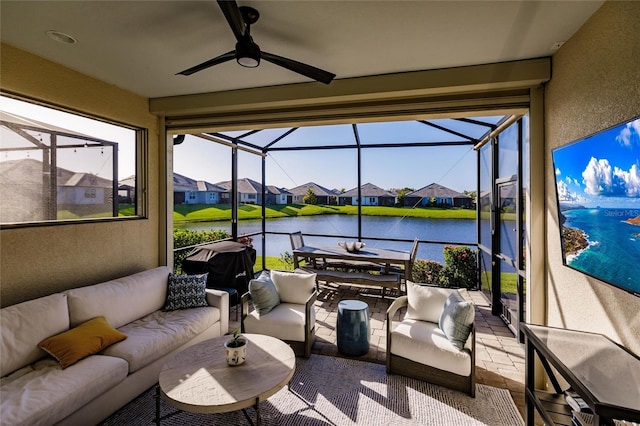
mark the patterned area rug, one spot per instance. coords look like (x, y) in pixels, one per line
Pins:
(336, 391)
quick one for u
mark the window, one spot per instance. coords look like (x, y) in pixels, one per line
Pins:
(58, 166)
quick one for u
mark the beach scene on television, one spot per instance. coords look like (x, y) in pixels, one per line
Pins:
(598, 190)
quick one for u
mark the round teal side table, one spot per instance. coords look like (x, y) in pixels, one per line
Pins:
(353, 327)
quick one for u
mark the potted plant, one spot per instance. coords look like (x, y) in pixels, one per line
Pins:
(236, 348)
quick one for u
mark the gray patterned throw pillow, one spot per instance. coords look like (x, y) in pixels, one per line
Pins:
(186, 291)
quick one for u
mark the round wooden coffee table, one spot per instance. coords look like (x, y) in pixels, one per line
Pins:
(198, 379)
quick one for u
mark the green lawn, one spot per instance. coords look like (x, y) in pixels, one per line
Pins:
(213, 212)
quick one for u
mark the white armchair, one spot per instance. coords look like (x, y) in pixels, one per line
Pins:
(283, 305)
(435, 341)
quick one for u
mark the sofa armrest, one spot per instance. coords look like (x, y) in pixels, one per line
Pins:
(400, 302)
(220, 300)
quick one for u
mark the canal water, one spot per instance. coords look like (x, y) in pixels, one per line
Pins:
(345, 227)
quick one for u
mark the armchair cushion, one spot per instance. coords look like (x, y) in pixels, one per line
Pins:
(457, 319)
(423, 342)
(294, 287)
(263, 293)
(425, 303)
(286, 322)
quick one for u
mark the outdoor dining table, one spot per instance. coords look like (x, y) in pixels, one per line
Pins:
(385, 257)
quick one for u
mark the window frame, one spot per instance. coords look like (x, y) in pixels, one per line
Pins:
(141, 135)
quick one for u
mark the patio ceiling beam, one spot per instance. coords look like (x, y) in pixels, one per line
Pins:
(476, 122)
(226, 143)
(22, 133)
(248, 134)
(236, 142)
(13, 127)
(378, 145)
(500, 127)
(444, 129)
(279, 138)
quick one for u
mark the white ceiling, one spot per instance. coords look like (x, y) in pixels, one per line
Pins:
(141, 45)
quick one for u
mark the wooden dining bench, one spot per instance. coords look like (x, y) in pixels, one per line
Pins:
(363, 278)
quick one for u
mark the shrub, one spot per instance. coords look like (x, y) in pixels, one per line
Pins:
(188, 237)
(426, 271)
(287, 259)
(460, 267)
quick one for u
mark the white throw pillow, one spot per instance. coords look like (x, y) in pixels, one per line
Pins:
(425, 303)
(294, 287)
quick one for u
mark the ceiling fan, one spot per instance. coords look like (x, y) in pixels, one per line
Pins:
(247, 53)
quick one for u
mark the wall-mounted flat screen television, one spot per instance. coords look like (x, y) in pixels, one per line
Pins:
(598, 193)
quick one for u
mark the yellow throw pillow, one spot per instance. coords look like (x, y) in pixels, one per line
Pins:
(86, 339)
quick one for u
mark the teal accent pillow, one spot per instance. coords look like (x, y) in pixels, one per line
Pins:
(456, 319)
(186, 291)
(263, 293)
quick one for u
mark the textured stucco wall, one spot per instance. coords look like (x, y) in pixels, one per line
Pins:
(595, 84)
(37, 261)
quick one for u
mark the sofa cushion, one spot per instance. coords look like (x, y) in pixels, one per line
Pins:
(294, 287)
(425, 303)
(154, 335)
(86, 339)
(285, 322)
(24, 325)
(186, 291)
(456, 320)
(43, 393)
(263, 293)
(121, 300)
(425, 343)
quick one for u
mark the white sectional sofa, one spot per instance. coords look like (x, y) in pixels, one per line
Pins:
(35, 390)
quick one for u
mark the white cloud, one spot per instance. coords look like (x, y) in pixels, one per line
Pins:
(575, 181)
(564, 194)
(630, 134)
(563, 191)
(600, 178)
(631, 180)
(569, 180)
(557, 171)
(597, 177)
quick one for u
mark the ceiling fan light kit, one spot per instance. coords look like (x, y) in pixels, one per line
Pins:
(247, 53)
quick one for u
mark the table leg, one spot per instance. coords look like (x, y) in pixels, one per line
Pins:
(530, 385)
(258, 420)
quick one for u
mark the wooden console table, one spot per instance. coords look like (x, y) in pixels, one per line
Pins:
(604, 374)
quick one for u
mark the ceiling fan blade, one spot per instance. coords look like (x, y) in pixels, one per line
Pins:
(300, 68)
(211, 62)
(234, 18)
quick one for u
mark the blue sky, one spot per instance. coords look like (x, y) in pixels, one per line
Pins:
(601, 170)
(454, 167)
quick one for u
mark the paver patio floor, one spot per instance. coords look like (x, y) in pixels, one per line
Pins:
(499, 358)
